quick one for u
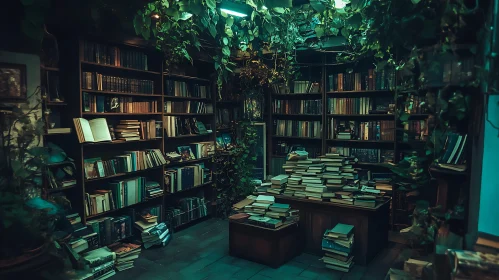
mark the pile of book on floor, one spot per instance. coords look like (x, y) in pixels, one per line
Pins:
(83, 238)
(152, 232)
(101, 262)
(337, 245)
(263, 211)
(126, 253)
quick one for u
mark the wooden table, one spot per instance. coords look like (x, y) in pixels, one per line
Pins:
(370, 225)
(272, 247)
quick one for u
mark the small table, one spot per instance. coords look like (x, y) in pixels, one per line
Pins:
(272, 247)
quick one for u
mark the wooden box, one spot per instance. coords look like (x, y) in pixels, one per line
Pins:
(272, 247)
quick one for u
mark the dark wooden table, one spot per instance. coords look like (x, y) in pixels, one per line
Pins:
(272, 247)
(370, 225)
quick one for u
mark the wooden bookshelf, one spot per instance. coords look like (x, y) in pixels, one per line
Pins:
(74, 65)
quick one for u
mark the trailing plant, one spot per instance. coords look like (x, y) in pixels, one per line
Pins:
(235, 169)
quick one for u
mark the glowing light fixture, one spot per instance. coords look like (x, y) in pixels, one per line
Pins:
(235, 9)
(339, 4)
(155, 16)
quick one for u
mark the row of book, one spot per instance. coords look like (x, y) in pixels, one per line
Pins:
(115, 56)
(349, 106)
(225, 116)
(370, 130)
(262, 210)
(178, 126)
(311, 129)
(309, 107)
(414, 105)
(365, 155)
(415, 130)
(186, 177)
(337, 244)
(305, 87)
(370, 80)
(129, 161)
(194, 107)
(188, 209)
(97, 81)
(186, 89)
(96, 103)
(121, 194)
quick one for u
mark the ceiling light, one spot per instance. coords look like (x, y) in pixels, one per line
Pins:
(235, 9)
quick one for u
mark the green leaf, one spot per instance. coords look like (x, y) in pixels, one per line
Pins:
(251, 3)
(213, 30)
(229, 21)
(165, 3)
(319, 31)
(212, 4)
(415, 1)
(225, 40)
(318, 6)
(334, 31)
(226, 51)
(229, 32)
(253, 15)
(279, 10)
(269, 27)
(185, 16)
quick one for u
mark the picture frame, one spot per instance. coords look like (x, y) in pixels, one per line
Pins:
(13, 82)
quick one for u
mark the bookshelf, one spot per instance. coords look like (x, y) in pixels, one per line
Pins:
(188, 97)
(121, 83)
(348, 94)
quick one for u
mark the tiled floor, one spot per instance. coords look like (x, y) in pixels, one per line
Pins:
(201, 252)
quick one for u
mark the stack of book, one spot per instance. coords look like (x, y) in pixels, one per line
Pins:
(278, 211)
(262, 188)
(153, 190)
(337, 245)
(126, 253)
(83, 238)
(278, 184)
(128, 130)
(260, 205)
(157, 235)
(101, 262)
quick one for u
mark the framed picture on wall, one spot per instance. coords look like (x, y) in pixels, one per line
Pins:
(260, 170)
(12, 82)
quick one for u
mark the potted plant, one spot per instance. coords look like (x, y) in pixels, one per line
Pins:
(26, 219)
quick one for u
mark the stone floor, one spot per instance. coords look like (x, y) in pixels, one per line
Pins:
(201, 252)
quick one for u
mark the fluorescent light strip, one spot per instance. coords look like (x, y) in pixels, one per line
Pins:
(234, 13)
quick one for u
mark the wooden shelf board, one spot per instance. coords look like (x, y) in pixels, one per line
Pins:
(119, 142)
(56, 133)
(194, 188)
(361, 115)
(119, 114)
(360, 141)
(122, 174)
(120, 93)
(119, 209)
(187, 136)
(296, 137)
(60, 189)
(52, 69)
(188, 114)
(53, 103)
(184, 77)
(59, 163)
(297, 115)
(360, 91)
(118, 68)
(292, 95)
(188, 161)
(279, 156)
(187, 98)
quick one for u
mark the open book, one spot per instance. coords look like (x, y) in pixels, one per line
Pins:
(95, 130)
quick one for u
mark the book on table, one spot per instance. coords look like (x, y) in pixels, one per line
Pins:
(95, 130)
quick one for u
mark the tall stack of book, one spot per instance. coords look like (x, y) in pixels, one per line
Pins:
(278, 184)
(337, 245)
(157, 235)
(126, 253)
(101, 262)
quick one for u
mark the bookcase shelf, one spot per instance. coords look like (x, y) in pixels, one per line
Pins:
(46, 68)
(297, 96)
(361, 141)
(60, 189)
(94, 64)
(359, 92)
(121, 93)
(122, 208)
(296, 115)
(296, 137)
(122, 174)
(177, 163)
(184, 77)
(189, 114)
(361, 116)
(166, 97)
(52, 103)
(120, 114)
(189, 136)
(193, 188)
(116, 142)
